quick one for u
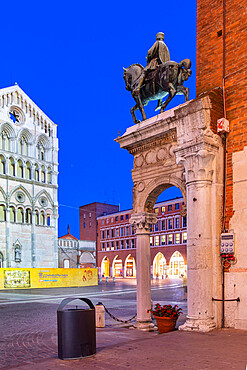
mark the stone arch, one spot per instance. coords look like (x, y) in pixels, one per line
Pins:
(87, 259)
(130, 266)
(117, 266)
(145, 201)
(159, 265)
(45, 193)
(26, 134)
(3, 194)
(105, 267)
(177, 265)
(44, 141)
(8, 129)
(20, 187)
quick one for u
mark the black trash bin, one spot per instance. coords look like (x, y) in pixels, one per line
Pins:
(76, 330)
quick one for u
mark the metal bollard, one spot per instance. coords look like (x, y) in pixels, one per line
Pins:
(114, 279)
(107, 278)
(100, 316)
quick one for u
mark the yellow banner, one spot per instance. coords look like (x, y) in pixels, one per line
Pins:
(22, 278)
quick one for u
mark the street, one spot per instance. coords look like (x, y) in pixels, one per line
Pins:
(28, 317)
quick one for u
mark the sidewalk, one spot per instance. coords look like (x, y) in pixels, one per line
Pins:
(123, 348)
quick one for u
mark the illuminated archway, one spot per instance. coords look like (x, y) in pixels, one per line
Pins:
(117, 267)
(159, 265)
(130, 266)
(177, 266)
(105, 267)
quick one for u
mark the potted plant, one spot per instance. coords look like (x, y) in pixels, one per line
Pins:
(166, 316)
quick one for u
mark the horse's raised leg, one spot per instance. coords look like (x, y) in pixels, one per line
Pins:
(172, 93)
(133, 114)
(140, 106)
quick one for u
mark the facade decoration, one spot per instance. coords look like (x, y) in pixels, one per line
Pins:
(28, 183)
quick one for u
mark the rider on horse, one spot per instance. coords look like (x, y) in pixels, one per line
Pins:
(157, 54)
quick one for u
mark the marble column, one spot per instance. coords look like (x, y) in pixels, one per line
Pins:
(200, 273)
(143, 222)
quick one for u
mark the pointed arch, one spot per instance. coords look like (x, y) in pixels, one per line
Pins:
(20, 187)
(46, 194)
(44, 141)
(25, 133)
(3, 194)
(8, 129)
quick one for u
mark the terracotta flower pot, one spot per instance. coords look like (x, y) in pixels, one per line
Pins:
(165, 324)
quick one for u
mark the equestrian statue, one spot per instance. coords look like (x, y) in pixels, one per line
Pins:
(161, 77)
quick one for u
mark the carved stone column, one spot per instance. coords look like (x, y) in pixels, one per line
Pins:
(200, 269)
(143, 222)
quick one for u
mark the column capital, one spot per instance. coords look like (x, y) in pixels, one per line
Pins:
(198, 165)
(143, 222)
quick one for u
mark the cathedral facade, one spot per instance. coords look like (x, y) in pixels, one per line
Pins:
(28, 183)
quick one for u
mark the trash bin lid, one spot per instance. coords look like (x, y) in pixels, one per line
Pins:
(68, 300)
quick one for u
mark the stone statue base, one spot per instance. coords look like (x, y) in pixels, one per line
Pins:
(199, 325)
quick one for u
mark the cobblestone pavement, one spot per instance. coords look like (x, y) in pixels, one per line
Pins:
(28, 324)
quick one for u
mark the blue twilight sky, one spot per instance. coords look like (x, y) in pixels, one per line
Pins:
(68, 56)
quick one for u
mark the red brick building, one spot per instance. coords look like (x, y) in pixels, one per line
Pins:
(222, 65)
(116, 242)
(88, 218)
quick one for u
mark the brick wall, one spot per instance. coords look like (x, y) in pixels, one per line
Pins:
(88, 215)
(210, 70)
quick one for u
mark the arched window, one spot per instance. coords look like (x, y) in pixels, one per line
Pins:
(41, 152)
(12, 214)
(2, 164)
(1, 260)
(36, 218)
(28, 173)
(28, 216)
(20, 215)
(42, 218)
(20, 169)
(4, 141)
(66, 264)
(43, 174)
(12, 167)
(17, 253)
(22, 146)
(49, 175)
(36, 172)
(48, 220)
(2, 213)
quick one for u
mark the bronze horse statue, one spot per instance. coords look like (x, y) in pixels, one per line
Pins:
(167, 79)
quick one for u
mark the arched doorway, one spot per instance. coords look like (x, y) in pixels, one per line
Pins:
(130, 266)
(159, 265)
(87, 260)
(117, 267)
(105, 267)
(176, 265)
